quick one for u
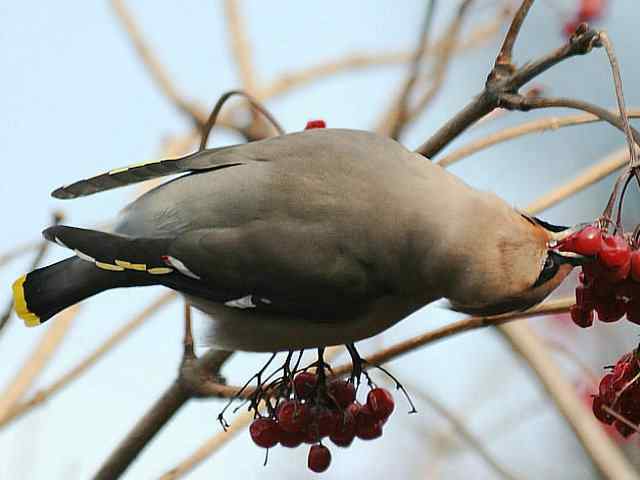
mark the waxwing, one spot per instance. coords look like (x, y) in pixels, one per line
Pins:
(315, 238)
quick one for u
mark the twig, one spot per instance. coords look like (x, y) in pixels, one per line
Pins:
(504, 80)
(44, 394)
(458, 425)
(520, 102)
(154, 67)
(535, 126)
(16, 252)
(400, 117)
(617, 80)
(255, 105)
(604, 454)
(37, 361)
(42, 251)
(505, 56)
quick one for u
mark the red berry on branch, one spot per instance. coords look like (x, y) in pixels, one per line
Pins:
(591, 9)
(615, 251)
(319, 458)
(291, 439)
(368, 427)
(324, 421)
(581, 317)
(311, 124)
(343, 392)
(304, 384)
(293, 416)
(380, 402)
(264, 432)
(585, 297)
(345, 431)
(588, 241)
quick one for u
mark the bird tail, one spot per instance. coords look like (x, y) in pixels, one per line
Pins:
(103, 261)
(39, 295)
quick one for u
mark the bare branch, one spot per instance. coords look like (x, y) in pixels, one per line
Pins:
(505, 56)
(504, 81)
(37, 361)
(535, 126)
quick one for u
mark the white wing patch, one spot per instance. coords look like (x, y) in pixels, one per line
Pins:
(181, 267)
(244, 302)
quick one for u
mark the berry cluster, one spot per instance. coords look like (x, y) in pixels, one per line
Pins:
(610, 284)
(311, 124)
(588, 11)
(316, 409)
(619, 392)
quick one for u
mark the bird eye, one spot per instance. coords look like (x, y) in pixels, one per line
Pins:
(548, 271)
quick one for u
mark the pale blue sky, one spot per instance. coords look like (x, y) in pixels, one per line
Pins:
(76, 101)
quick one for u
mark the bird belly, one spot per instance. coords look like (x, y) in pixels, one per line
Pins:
(255, 331)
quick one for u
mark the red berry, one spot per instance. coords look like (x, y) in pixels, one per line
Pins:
(611, 311)
(311, 124)
(606, 389)
(368, 426)
(581, 317)
(615, 251)
(599, 412)
(319, 458)
(345, 431)
(635, 265)
(343, 392)
(588, 241)
(293, 416)
(325, 421)
(380, 402)
(265, 432)
(618, 274)
(304, 383)
(291, 439)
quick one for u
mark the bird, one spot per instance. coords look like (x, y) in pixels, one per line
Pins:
(313, 238)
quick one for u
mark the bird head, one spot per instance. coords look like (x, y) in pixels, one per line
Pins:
(516, 265)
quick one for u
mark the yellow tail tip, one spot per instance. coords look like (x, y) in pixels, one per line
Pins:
(20, 303)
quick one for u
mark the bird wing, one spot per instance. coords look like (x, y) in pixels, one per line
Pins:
(276, 269)
(212, 159)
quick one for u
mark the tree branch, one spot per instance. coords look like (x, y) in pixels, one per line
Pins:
(505, 80)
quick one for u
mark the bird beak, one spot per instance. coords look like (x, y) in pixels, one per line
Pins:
(570, 258)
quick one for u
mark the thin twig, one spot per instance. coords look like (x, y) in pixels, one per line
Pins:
(535, 126)
(46, 393)
(505, 56)
(37, 361)
(617, 80)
